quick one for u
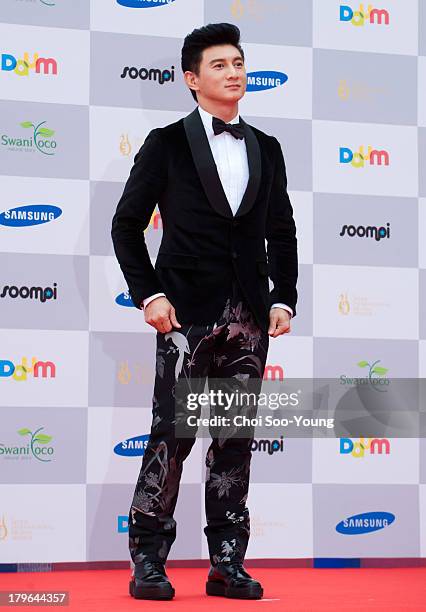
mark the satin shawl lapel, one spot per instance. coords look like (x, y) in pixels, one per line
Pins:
(207, 170)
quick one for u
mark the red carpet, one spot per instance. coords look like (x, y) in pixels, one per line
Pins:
(291, 589)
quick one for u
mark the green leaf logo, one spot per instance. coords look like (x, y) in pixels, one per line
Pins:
(26, 124)
(42, 439)
(24, 432)
(379, 370)
(45, 132)
(362, 364)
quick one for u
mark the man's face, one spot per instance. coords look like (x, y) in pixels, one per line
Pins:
(222, 76)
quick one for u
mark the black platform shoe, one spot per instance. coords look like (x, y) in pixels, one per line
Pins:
(231, 580)
(150, 581)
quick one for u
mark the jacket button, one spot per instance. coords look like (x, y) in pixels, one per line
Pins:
(234, 255)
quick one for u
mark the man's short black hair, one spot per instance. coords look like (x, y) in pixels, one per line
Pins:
(202, 38)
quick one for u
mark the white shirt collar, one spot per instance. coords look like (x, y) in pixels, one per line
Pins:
(207, 121)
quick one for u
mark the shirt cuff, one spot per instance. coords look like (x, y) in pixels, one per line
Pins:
(281, 305)
(149, 299)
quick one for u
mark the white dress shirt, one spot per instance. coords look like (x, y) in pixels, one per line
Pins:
(230, 156)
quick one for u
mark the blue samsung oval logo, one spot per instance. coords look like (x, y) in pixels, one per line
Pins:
(265, 79)
(366, 522)
(143, 3)
(124, 299)
(132, 447)
(34, 214)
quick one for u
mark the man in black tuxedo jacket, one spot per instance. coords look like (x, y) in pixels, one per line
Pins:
(221, 188)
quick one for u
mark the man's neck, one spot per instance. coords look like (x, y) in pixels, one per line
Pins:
(225, 112)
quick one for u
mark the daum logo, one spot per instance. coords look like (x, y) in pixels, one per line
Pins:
(132, 447)
(370, 231)
(273, 372)
(124, 299)
(32, 293)
(151, 74)
(22, 66)
(376, 376)
(361, 17)
(374, 446)
(41, 139)
(366, 522)
(37, 447)
(359, 159)
(144, 3)
(265, 79)
(20, 372)
(122, 523)
(32, 214)
(269, 446)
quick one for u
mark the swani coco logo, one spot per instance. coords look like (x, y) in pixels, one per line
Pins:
(362, 17)
(144, 3)
(268, 446)
(22, 66)
(38, 447)
(376, 376)
(369, 231)
(33, 293)
(366, 522)
(265, 79)
(132, 447)
(360, 159)
(372, 446)
(124, 299)
(164, 75)
(21, 372)
(41, 139)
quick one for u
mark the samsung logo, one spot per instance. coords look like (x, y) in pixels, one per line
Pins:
(35, 214)
(265, 79)
(143, 3)
(132, 447)
(366, 522)
(124, 299)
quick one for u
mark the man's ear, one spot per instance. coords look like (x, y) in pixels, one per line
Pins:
(191, 80)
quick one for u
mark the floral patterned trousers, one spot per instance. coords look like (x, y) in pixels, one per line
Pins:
(233, 347)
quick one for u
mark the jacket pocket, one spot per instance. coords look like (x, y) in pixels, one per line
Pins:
(177, 260)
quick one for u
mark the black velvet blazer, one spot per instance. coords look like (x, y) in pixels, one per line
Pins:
(203, 243)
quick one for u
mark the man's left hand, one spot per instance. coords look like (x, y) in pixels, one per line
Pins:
(279, 322)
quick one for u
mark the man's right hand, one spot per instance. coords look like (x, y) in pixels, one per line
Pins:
(161, 314)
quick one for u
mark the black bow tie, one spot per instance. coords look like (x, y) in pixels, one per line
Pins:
(236, 129)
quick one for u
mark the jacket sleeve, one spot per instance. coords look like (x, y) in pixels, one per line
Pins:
(143, 189)
(281, 237)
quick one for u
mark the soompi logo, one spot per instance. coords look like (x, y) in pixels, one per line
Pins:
(22, 66)
(33, 447)
(144, 3)
(371, 231)
(150, 74)
(362, 16)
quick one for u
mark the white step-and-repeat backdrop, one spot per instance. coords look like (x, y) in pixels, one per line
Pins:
(345, 93)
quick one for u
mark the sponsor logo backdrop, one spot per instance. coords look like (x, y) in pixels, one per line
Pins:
(342, 86)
